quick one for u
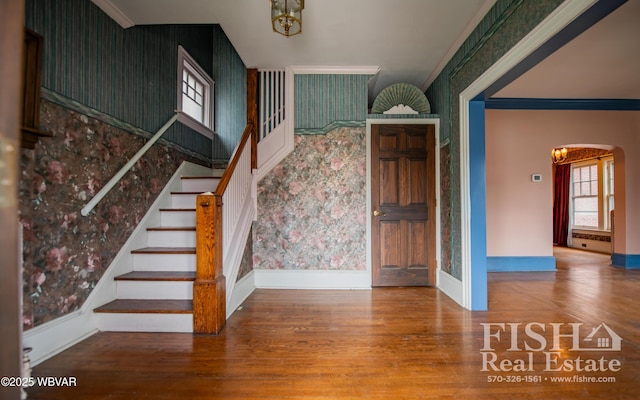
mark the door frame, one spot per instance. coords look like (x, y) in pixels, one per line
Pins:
(471, 292)
(403, 121)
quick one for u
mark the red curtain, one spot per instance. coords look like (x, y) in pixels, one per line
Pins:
(561, 204)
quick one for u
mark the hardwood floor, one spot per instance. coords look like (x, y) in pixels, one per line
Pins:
(392, 343)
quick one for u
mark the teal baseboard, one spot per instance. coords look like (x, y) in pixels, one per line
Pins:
(629, 261)
(520, 264)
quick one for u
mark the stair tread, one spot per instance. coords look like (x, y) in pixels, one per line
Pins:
(147, 306)
(178, 209)
(200, 177)
(157, 276)
(190, 193)
(172, 228)
(165, 250)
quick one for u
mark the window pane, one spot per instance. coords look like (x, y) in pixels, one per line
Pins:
(576, 174)
(585, 189)
(584, 174)
(594, 187)
(586, 204)
(586, 219)
(192, 108)
(594, 172)
(586, 211)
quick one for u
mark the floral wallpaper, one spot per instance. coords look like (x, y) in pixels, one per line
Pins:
(64, 253)
(246, 264)
(445, 207)
(312, 206)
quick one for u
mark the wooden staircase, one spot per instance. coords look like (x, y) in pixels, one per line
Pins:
(156, 296)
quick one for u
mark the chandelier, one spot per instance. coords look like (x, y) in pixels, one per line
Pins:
(558, 155)
(286, 16)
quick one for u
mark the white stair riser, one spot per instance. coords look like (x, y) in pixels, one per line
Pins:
(164, 262)
(139, 322)
(183, 200)
(171, 238)
(199, 185)
(178, 218)
(154, 290)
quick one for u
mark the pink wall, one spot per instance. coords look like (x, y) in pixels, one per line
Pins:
(518, 144)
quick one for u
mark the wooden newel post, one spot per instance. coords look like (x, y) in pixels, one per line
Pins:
(209, 288)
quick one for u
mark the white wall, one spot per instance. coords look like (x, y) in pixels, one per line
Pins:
(519, 143)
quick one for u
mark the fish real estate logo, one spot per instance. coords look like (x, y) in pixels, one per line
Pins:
(549, 347)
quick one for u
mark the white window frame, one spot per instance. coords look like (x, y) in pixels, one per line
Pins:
(608, 168)
(586, 164)
(185, 61)
(605, 191)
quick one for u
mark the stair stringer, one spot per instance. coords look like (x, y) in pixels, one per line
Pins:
(274, 148)
(53, 337)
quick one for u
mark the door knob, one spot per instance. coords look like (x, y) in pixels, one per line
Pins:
(378, 213)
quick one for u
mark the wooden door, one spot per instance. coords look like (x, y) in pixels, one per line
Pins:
(403, 205)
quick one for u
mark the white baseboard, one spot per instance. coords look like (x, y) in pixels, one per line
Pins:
(450, 286)
(55, 336)
(311, 279)
(243, 289)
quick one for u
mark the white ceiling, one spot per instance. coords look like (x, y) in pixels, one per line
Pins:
(409, 40)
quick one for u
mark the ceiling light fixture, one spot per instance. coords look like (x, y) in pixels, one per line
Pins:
(286, 16)
(558, 155)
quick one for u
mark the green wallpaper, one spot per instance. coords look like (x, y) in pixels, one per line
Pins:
(505, 24)
(230, 76)
(130, 74)
(325, 102)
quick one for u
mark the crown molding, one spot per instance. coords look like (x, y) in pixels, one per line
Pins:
(329, 70)
(115, 13)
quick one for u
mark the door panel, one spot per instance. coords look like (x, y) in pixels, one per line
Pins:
(390, 252)
(417, 244)
(417, 184)
(403, 201)
(389, 182)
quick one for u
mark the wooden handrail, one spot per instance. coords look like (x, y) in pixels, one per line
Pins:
(226, 176)
(252, 112)
(209, 288)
